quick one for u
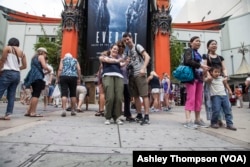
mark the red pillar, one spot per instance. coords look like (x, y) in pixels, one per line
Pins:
(70, 34)
(70, 43)
(162, 54)
(162, 49)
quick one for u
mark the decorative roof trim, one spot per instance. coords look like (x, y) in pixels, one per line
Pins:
(12, 15)
(15, 16)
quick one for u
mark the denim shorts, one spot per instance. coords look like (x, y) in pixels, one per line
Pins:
(155, 90)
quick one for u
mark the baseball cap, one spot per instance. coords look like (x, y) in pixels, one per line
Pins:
(42, 49)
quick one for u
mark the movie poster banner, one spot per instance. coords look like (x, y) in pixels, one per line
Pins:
(109, 19)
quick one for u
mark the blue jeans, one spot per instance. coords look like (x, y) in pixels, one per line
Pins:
(219, 102)
(9, 81)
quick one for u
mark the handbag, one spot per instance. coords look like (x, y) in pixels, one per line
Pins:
(56, 92)
(238, 102)
(183, 72)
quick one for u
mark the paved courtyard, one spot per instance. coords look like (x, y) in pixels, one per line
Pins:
(84, 140)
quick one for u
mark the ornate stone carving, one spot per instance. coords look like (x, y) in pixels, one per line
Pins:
(71, 17)
(161, 21)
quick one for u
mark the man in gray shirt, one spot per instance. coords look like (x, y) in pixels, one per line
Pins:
(138, 86)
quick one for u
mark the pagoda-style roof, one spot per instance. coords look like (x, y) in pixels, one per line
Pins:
(206, 25)
(15, 16)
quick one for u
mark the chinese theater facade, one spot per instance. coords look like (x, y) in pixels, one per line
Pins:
(92, 26)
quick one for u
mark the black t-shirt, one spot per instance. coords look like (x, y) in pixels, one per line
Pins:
(211, 60)
(155, 82)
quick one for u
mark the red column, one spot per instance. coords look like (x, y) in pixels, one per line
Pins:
(162, 49)
(162, 54)
(70, 34)
(70, 43)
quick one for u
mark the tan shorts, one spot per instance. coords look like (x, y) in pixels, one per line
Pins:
(138, 86)
(81, 96)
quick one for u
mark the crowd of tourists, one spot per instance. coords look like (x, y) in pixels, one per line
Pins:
(122, 83)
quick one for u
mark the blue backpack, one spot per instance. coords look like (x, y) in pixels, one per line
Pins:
(184, 73)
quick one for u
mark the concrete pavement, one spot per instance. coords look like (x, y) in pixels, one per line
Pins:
(84, 140)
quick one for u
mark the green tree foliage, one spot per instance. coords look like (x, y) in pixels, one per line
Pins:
(53, 47)
(176, 50)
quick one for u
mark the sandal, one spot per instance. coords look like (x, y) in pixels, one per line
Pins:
(99, 113)
(79, 110)
(6, 118)
(27, 114)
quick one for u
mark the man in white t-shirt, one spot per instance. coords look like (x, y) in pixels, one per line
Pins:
(247, 89)
(48, 79)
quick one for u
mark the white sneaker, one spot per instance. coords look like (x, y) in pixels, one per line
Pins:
(201, 124)
(157, 110)
(107, 122)
(190, 125)
(119, 122)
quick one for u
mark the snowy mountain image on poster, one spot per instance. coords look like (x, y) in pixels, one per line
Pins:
(109, 19)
